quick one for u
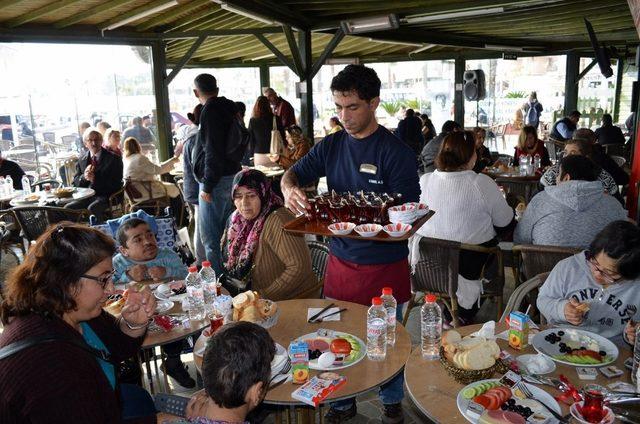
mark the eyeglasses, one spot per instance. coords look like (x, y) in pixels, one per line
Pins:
(607, 276)
(103, 281)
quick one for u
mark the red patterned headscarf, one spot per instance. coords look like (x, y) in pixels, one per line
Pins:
(241, 239)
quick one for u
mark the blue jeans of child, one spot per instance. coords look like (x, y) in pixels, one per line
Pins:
(390, 393)
(212, 219)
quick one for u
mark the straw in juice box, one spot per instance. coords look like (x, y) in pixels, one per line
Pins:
(518, 330)
(299, 355)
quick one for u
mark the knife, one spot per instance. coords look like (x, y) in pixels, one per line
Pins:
(310, 320)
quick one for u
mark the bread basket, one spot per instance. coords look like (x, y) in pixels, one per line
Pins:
(470, 376)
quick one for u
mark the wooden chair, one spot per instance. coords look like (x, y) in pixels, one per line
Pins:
(117, 206)
(530, 260)
(34, 220)
(144, 195)
(526, 291)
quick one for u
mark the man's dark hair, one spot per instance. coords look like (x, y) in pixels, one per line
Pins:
(579, 168)
(206, 83)
(620, 240)
(449, 126)
(409, 112)
(238, 356)
(358, 78)
(121, 235)
(607, 120)
(241, 108)
(575, 113)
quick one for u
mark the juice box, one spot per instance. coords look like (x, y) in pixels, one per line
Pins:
(299, 355)
(518, 330)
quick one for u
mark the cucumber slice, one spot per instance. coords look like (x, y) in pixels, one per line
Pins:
(469, 393)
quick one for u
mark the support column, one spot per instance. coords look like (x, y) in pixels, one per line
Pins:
(161, 91)
(306, 84)
(265, 80)
(571, 83)
(458, 97)
(616, 97)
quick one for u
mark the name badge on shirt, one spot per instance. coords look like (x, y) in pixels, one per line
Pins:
(367, 168)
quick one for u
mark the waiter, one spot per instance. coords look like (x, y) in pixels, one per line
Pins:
(366, 156)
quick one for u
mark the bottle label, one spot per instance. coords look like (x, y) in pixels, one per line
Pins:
(195, 292)
(391, 316)
(376, 328)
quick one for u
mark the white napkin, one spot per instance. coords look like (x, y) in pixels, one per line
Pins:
(313, 311)
(487, 331)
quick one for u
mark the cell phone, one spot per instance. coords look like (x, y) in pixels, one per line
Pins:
(171, 404)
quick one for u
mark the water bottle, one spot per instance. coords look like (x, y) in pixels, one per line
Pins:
(376, 331)
(636, 359)
(390, 305)
(195, 295)
(523, 165)
(8, 182)
(431, 328)
(26, 185)
(537, 162)
(209, 286)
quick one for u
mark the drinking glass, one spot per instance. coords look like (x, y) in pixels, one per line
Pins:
(593, 407)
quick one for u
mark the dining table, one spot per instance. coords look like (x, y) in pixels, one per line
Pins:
(361, 377)
(48, 198)
(434, 391)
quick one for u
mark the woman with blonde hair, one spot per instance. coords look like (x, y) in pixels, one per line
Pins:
(530, 144)
(138, 167)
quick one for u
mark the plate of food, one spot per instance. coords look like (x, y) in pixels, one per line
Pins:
(572, 346)
(333, 350)
(248, 306)
(173, 290)
(501, 404)
(64, 192)
(27, 199)
(163, 306)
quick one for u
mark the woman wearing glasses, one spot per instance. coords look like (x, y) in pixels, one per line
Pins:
(58, 293)
(598, 289)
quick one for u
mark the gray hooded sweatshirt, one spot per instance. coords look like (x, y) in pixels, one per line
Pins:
(569, 214)
(610, 308)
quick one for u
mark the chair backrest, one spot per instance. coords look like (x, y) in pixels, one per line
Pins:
(619, 160)
(6, 145)
(536, 259)
(437, 268)
(524, 190)
(319, 257)
(49, 137)
(40, 183)
(69, 141)
(34, 220)
(519, 294)
(150, 196)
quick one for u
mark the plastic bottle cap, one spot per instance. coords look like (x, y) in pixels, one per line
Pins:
(193, 269)
(206, 263)
(376, 301)
(387, 290)
(430, 298)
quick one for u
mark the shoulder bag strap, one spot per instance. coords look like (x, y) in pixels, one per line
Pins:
(20, 345)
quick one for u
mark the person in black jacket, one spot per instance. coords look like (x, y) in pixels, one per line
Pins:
(9, 168)
(260, 127)
(609, 133)
(100, 170)
(601, 158)
(410, 131)
(216, 177)
(564, 128)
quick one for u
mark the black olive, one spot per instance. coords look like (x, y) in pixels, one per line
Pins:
(560, 333)
(602, 353)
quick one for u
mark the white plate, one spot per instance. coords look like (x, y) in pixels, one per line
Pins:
(163, 292)
(525, 360)
(578, 338)
(313, 364)
(163, 306)
(279, 359)
(537, 392)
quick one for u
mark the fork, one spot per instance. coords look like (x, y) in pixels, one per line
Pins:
(525, 390)
(284, 371)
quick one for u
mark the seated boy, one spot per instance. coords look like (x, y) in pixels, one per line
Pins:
(236, 369)
(140, 259)
(598, 290)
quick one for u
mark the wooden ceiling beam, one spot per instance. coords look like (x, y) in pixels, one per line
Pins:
(79, 17)
(131, 13)
(170, 14)
(40, 12)
(271, 10)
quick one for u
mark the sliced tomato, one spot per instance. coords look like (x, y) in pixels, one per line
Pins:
(506, 391)
(499, 393)
(591, 353)
(496, 400)
(483, 400)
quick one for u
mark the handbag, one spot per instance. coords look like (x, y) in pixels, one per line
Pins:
(277, 145)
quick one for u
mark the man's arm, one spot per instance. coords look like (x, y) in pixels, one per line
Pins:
(564, 130)
(78, 178)
(309, 168)
(294, 198)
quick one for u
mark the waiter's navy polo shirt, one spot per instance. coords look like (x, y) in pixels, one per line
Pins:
(340, 158)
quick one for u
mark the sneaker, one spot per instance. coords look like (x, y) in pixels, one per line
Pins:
(337, 416)
(393, 414)
(178, 371)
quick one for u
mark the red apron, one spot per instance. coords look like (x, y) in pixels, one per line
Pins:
(359, 283)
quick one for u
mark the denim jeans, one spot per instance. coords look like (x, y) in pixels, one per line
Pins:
(136, 402)
(390, 392)
(212, 219)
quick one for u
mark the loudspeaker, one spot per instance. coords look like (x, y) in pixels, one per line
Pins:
(634, 96)
(474, 88)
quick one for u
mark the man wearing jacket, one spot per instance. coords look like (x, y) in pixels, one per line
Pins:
(216, 174)
(100, 170)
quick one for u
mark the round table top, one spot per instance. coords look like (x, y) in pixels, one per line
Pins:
(361, 377)
(434, 392)
(179, 332)
(511, 175)
(80, 193)
(17, 152)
